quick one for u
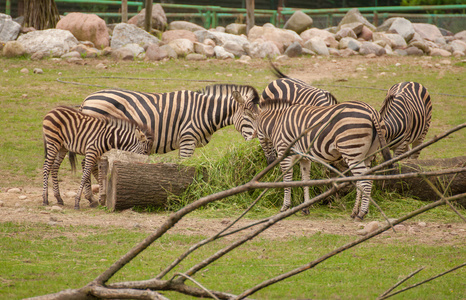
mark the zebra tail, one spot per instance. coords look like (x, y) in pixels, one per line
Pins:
(73, 159)
(276, 71)
(383, 143)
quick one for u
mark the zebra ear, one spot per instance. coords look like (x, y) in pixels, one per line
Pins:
(238, 97)
(141, 136)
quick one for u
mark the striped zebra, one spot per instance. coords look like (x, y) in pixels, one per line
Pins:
(407, 113)
(351, 131)
(66, 129)
(295, 91)
(179, 120)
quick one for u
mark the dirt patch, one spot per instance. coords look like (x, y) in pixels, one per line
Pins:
(26, 207)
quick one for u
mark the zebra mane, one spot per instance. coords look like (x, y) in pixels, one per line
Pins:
(276, 103)
(227, 89)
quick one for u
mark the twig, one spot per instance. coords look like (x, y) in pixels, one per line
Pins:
(198, 284)
(422, 282)
(400, 282)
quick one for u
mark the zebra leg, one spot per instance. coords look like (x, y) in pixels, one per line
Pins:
(87, 170)
(355, 211)
(305, 176)
(402, 148)
(417, 142)
(54, 171)
(49, 160)
(287, 177)
(366, 186)
(88, 184)
(187, 147)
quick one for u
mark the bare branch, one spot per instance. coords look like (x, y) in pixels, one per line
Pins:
(198, 284)
(422, 282)
(400, 282)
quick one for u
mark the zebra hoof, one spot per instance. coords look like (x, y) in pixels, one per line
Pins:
(305, 211)
(93, 204)
(45, 203)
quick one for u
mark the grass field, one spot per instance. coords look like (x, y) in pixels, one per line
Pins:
(37, 258)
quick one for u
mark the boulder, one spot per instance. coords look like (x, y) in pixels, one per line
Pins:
(195, 56)
(85, 51)
(366, 33)
(294, 50)
(439, 52)
(184, 25)
(222, 54)
(315, 32)
(298, 22)
(155, 53)
(317, 45)
(9, 29)
(236, 29)
(182, 47)
(159, 19)
(86, 27)
(428, 31)
(137, 50)
(354, 16)
(127, 34)
(458, 45)
(356, 27)
(56, 42)
(345, 32)
(403, 27)
(206, 50)
(123, 54)
(234, 48)
(262, 49)
(396, 40)
(171, 35)
(371, 48)
(351, 43)
(414, 51)
(461, 35)
(170, 51)
(220, 38)
(282, 38)
(13, 49)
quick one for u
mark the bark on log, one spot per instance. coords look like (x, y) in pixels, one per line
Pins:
(418, 187)
(138, 184)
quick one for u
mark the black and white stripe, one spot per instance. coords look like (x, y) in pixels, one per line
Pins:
(407, 113)
(66, 129)
(179, 120)
(350, 131)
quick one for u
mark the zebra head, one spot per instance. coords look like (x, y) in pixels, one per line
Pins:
(245, 117)
(143, 141)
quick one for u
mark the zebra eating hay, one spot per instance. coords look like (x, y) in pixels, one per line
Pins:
(407, 112)
(350, 131)
(66, 129)
(179, 120)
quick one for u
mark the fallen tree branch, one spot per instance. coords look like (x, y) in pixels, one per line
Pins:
(400, 282)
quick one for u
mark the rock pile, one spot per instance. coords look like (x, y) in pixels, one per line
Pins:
(79, 36)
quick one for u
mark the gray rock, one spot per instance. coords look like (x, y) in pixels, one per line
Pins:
(135, 49)
(400, 52)
(428, 31)
(414, 51)
(347, 52)
(122, 54)
(351, 43)
(439, 52)
(396, 40)
(461, 35)
(171, 53)
(184, 25)
(353, 16)
(345, 32)
(371, 48)
(220, 38)
(236, 29)
(262, 49)
(334, 52)
(403, 27)
(13, 49)
(124, 34)
(182, 47)
(222, 54)
(206, 50)
(458, 54)
(171, 35)
(458, 45)
(298, 22)
(71, 54)
(9, 29)
(155, 53)
(38, 71)
(159, 19)
(308, 52)
(234, 48)
(282, 38)
(356, 27)
(421, 44)
(56, 42)
(318, 46)
(315, 32)
(294, 50)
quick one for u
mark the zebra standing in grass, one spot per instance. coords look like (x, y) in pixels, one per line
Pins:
(179, 120)
(295, 91)
(350, 131)
(66, 129)
(407, 112)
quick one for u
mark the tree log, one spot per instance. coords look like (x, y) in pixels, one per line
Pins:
(417, 187)
(130, 184)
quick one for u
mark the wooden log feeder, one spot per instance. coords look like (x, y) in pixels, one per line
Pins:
(129, 180)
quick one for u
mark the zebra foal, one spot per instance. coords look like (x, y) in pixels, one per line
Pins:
(66, 129)
(350, 131)
(180, 120)
(407, 113)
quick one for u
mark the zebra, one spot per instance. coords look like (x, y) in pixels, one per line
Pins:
(295, 91)
(180, 120)
(66, 129)
(351, 131)
(407, 113)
